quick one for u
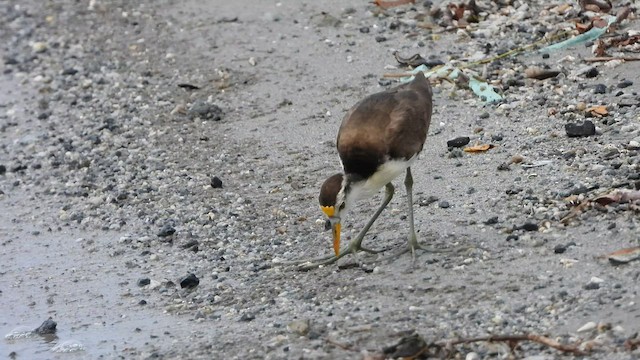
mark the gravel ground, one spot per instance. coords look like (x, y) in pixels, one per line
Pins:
(160, 160)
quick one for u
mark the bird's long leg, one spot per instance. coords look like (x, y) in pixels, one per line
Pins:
(356, 244)
(413, 238)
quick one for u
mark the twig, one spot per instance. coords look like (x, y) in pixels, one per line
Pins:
(515, 338)
(389, 4)
(340, 345)
(609, 58)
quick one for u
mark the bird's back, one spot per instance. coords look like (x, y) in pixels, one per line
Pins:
(392, 124)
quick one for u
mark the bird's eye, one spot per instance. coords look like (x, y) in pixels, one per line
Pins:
(327, 225)
(342, 206)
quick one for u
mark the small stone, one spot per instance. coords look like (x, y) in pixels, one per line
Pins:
(581, 106)
(497, 137)
(142, 302)
(592, 286)
(458, 142)
(517, 159)
(216, 183)
(144, 282)
(300, 327)
(47, 327)
(167, 230)
(246, 317)
(513, 237)
(624, 83)
(3, 169)
(503, 167)
(591, 73)
(380, 38)
(491, 221)
(443, 204)
(600, 89)
(559, 249)
(472, 356)
(39, 47)
(69, 71)
(590, 326)
(189, 282)
(253, 61)
(202, 109)
(587, 128)
(364, 30)
(529, 227)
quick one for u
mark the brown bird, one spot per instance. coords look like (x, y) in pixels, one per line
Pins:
(379, 138)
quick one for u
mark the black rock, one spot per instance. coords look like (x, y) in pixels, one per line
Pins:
(587, 128)
(559, 249)
(204, 110)
(503, 167)
(216, 183)
(144, 282)
(443, 204)
(592, 286)
(47, 327)
(44, 115)
(497, 137)
(591, 73)
(458, 142)
(384, 82)
(491, 221)
(381, 38)
(600, 89)
(364, 30)
(190, 281)
(3, 169)
(166, 230)
(624, 83)
(69, 71)
(246, 317)
(142, 302)
(529, 226)
(513, 237)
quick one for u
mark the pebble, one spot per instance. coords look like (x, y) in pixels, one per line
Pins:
(587, 128)
(624, 83)
(458, 142)
(216, 183)
(600, 89)
(144, 282)
(167, 230)
(528, 226)
(590, 326)
(299, 327)
(39, 47)
(559, 249)
(443, 204)
(47, 327)
(591, 73)
(204, 110)
(189, 282)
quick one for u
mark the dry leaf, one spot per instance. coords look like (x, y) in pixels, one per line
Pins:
(598, 111)
(624, 256)
(583, 28)
(540, 74)
(478, 148)
(618, 196)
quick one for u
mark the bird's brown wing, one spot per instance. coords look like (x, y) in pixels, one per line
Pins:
(392, 123)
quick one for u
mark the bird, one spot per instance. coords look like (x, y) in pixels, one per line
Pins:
(379, 138)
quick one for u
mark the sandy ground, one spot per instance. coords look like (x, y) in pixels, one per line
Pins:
(107, 201)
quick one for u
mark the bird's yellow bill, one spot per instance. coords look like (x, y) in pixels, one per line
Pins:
(336, 238)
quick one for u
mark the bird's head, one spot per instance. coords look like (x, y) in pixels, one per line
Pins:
(334, 202)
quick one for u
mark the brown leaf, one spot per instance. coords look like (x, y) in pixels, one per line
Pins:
(598, 111)
(478, 148)
(618, 196)
(624, 256)
(582, 28)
